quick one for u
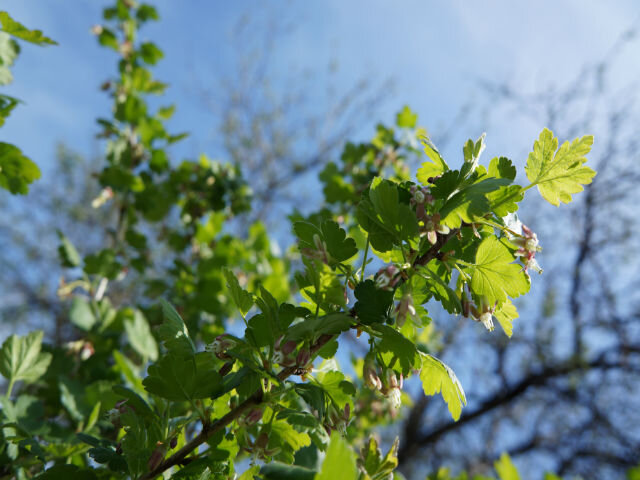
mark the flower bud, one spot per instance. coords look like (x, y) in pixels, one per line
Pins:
(87, 351)
(405, 308)
(303, 357)
(254, 416)
(370, 374)
(289, 347)
(386, 277)
(531, 244)
(156, 457)
(392, 381)
(220, 345)
(262, 441)
(113, 416)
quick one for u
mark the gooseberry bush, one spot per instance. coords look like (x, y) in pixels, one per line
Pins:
(222, 367)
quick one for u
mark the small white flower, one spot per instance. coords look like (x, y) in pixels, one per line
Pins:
(395, 396)
(513, 223)
(487, 320)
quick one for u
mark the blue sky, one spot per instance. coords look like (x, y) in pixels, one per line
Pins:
(435, 51)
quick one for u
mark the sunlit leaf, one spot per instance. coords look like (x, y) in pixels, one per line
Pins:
(21, 358)
(339, 461)
(437, 377)
(494, 275)
(559, 174)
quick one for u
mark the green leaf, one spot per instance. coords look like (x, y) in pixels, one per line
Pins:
(506, 314)
(150, 53)
(178, 378)
(396, 217)
(469, 202)
(200, 469)
(502, 167)
(320, 285)
(69, 256)
(445, 185)
(16, 170)
(336, 188)
(103, 452)
(242, 298)
(9, 50)
(339, 246)
(559, 174)
(18, 30)
(266, 325)
(494, 276)
(147, 12)
(505, 469)
(472, 150)
(302, 420)
(282, 471)
(373, 304)
(7, 103)
(312, 328)
(313, 395)
(81, 314)
(553, 476)
(108, 39)
(259, 331)
(93, 416)
(65, 472)
(140, 336)
(397, 346)
(374, 463)
(136, 402)
(166, 113)
(339, 462)
(103, 263)
(305, 232)
(381, 239)
(406, 118)
(71, 398)
(436, 167)
(437, 287)
(335, 386)
(505, 200)
(285, 435)
(173, 332)
(128, 370)
(437, 377)
(21, 359)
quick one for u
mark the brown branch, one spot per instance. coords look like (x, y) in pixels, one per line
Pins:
(506, 396)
